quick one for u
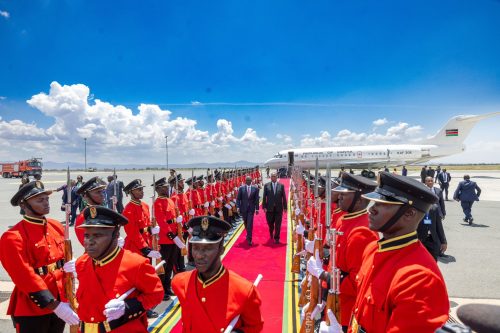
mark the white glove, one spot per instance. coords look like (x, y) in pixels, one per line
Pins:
(64, 311)
(318, 309)
(114, 309)
(154, 254)
(212, 203)
(155, 230)
(69, 266)
(303, 312)
(297, 211)
(191, 212)
(309, 246)
(221, 214)
(232, 204)
(228, 195)
(190, 230)
(206, 205)
(121, 242)
(334, 325)
(300, 229)
(179, 219)
(314, 265)
(180, 244)
(220, 198)
(228, 206)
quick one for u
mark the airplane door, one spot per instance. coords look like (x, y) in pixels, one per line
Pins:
(290, 158)
(359, 154)
(388, 155)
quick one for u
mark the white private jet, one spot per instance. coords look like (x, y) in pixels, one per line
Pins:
(448, 141)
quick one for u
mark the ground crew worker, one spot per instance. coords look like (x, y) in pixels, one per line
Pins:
(105, 272)
(400, 287)
(32, 253)
(211, 295)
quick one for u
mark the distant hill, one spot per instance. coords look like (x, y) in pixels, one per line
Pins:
(100, 166)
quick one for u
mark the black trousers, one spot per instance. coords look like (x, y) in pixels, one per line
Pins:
(40, 324)
(274, 224)
(433, 247)
(170, 253)
(444, 188)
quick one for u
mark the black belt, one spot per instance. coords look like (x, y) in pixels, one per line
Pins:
(105, 326)
(170, 221)
(198, 206)
(146, 229)
(343, 275)
(44, 270)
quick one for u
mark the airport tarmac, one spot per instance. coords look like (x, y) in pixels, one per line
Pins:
(471, 268)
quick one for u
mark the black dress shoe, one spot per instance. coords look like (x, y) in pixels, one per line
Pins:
(166, 297)
(276, 241)
(152, 314)
(470, 221)
(249, 242)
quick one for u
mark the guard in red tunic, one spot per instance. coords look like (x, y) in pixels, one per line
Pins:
(211, 295)
(92, 192)
(400, 287)
(355, 236)
(170, 243)
(106, 272)
(32, 253)
(139, 229)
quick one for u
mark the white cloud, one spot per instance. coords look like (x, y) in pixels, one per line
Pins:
(4, 13)
(284, 137)
(380, 122)
(196, 103)
(2, 98)
(115, 130)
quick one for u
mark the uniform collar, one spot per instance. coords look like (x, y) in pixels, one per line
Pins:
(109, 258)
(353, 215)
(135, 202)
(397, 242)
(34, 220)
(220, 273)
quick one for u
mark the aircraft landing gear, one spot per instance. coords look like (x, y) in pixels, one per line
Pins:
(368, 174)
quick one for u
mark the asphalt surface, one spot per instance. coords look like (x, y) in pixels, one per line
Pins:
(470, 269)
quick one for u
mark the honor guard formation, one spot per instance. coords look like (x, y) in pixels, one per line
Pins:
(360, 251)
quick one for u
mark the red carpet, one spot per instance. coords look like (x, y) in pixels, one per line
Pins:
(264, 257)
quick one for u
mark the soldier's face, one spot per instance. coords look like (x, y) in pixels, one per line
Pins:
(96, 241)
(163, 190)
(345, 200)
(97, 196)
(207, 257)
(40, 205)
(138, 193)
(380, 213)
(335, 196)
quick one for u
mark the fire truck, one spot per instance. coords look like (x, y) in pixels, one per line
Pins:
(21, 168)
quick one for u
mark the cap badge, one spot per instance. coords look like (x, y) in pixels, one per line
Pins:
(38, 185)
(204, 224)
(93, 212)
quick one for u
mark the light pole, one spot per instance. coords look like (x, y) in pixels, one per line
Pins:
(85, 141)
(166, 149)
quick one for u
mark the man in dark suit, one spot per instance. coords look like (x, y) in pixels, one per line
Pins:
(431, 233)
(247, 202)
(443, 179)
(429, 181)
(273, 204)
(467, 192)
(423, 173)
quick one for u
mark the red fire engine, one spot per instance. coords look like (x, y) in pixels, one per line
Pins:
(21, 168)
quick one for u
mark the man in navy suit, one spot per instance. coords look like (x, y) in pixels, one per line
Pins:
(247, 202)
(467, 192)
(273, 204)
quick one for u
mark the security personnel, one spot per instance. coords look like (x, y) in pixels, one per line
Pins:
(105, 272)
(92, 191)
(355, 236)
(32, 253)
(170, 243)
(400, 287)
(211, 295)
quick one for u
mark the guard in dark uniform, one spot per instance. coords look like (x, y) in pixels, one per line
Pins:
(92, 191)
(32, 253)
(211, 295)
(106, 272)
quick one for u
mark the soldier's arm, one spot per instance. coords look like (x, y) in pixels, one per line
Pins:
(251, 320)
(149, 286)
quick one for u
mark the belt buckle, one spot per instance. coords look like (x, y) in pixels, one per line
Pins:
(91, 327)
(51, 267)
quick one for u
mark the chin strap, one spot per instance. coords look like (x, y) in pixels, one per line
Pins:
(113, 235)
(357, 195)
(394, 218)
(32, 209)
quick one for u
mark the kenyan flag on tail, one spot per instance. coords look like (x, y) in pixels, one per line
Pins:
(452, 132)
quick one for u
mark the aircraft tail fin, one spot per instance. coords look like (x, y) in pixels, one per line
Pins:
(457, 129)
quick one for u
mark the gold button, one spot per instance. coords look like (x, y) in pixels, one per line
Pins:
(135, 314)
(91, 318)
(130, 317)
(203, 299)
(222, 329)
(36, 245)
(117, 295)
(369, 297)
(356, 310)
(32, 296)
(49, 246)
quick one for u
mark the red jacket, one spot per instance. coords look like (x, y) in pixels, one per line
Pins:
(33, 244)
(79, 231)
(113, 276)
(166, 219)
(209, 307)
(400, 289)
(138, 226)
(349, 256)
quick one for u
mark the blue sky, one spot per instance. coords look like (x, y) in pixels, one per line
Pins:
(277, 67)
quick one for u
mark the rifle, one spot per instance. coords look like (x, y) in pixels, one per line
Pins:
(332, 300)
(155, 238)
(299, 240)
(69, 279)
(115, 192)
(305, 295)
